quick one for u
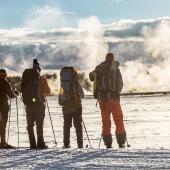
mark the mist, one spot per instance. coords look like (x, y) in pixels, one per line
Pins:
(141, 47)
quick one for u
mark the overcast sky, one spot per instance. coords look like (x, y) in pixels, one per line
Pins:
(14, 13)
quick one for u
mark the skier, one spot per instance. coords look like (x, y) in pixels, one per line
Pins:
(108, 85)
(5, 93)
(70, 96)
(34, 88)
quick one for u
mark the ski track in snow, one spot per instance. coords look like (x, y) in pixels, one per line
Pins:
(85, 159)
(147, 123)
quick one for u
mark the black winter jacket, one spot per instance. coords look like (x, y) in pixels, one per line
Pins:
(5, 93)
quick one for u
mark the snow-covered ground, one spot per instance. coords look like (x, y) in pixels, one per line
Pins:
(147, 121)
(85, 159)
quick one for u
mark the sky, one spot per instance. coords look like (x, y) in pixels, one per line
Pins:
(14, 13)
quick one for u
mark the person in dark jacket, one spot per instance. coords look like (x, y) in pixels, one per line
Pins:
(6, 92)
(36, 113)
(109, 84)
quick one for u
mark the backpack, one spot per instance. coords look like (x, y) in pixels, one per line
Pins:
(31, 88)
(106, 78)
(69, 94)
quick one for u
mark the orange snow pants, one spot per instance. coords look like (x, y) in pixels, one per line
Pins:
(108, 107)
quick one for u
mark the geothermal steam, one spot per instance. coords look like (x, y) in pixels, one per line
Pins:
(142, 47)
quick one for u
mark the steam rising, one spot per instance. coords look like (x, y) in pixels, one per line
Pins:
(93, 46)
(142, 47)
(46, 18)
(153, 76)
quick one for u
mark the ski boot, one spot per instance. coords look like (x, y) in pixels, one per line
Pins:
(121, 138)
(107, 141)
(66, 146)
(6, 146)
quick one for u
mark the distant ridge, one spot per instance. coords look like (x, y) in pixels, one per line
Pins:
(143, 93)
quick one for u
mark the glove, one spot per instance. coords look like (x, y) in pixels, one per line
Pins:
(91, 76)
(16, 92)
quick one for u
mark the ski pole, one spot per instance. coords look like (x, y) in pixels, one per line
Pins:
(128, 145)
(9, 121)
(51, 122)
(86, 133)
(100, 142)
(17, 119)
(23, 108)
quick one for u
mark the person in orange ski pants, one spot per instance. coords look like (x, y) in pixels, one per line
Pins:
(114, 108)
(108, 84)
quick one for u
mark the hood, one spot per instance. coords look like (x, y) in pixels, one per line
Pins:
(117, 63)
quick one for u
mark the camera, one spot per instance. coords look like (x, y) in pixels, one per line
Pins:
(35, 62)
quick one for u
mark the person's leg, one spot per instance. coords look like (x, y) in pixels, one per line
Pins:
(4, 118)
(3, 124)
(39, 119)
(66, 129)
(30, 127)
(106, 128)
(118, 119)
(77, 120)
(1, 129)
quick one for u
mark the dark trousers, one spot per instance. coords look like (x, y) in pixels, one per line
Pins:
(3, 122)
(35, 115)
(77, 121)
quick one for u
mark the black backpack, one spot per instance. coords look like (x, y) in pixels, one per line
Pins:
(69, 94)
(106, 79)
(31, 88)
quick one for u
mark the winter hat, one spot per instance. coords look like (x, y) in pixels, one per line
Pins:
(36, 65)
(109, 57)
(3, 73)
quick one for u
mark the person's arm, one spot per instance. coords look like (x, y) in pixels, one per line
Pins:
(91, 75)
(80, 89)
(10, 92)
(119, 81)
(46, 88)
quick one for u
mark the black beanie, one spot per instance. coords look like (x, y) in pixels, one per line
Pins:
(3, 71)
(36, 65)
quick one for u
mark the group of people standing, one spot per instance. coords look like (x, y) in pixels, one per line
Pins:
(107, 84)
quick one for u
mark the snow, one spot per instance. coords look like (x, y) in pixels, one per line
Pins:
(85, 159)
(147, 123)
